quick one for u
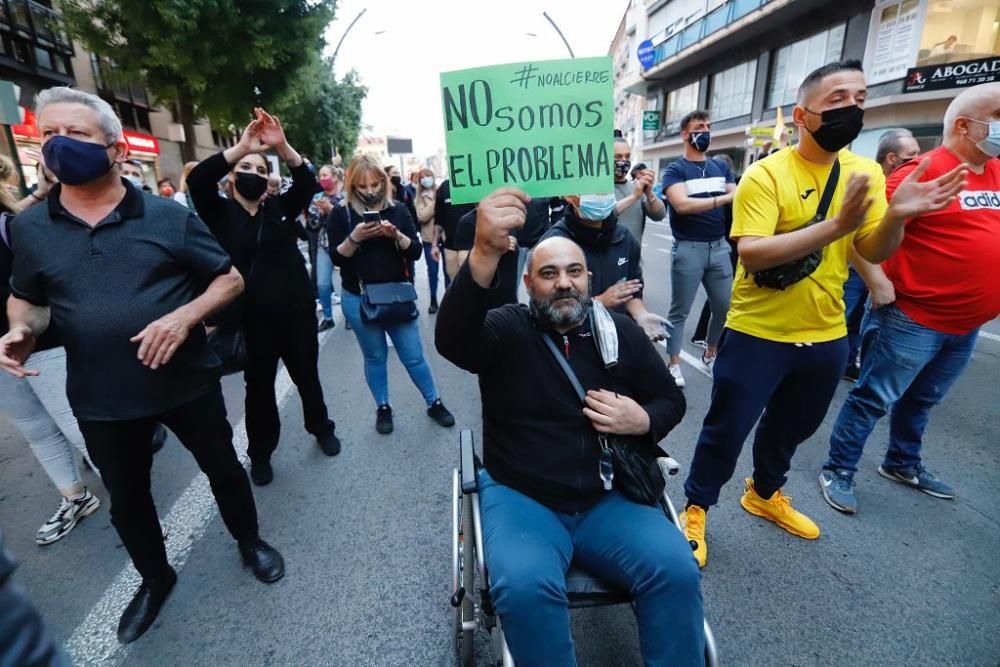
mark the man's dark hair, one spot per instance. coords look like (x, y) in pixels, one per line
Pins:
(890, 142)
(619, 135)
(697, 114)
(814, 77)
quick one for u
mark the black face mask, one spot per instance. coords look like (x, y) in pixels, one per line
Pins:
(250, 186)
(839, 127)
(621, 168)
(371, 198)
(396, 181)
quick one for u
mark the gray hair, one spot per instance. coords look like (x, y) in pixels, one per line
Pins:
(890, 142)
(107, 120)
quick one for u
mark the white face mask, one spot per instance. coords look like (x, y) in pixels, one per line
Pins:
(427, 181)
(135, 180)
(990, 144)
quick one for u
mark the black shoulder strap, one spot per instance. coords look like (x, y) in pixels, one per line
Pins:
(570, 375)
(827, 198)
(4, 234)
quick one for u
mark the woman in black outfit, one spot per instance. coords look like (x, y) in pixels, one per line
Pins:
(380, 252)
(277, 310)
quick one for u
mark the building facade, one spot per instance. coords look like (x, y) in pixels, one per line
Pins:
(742, 60)
(35, 54)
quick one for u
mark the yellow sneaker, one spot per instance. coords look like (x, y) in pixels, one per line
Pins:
(693, 525)
(778, 508)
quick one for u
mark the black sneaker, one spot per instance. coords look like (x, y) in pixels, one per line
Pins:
(329, 443)
(383, 419)
(434, 307)
(326, 325)
(159, 437)
(261, 472)
(852, 373)
(440, 414)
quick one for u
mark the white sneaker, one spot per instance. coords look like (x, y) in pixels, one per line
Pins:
(708, 364)
(675, 371)
(335, 299)
(66, 517)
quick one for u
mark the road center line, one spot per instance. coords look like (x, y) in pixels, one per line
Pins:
(693, 361)
(95, 640)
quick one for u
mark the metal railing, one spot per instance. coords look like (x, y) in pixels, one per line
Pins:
(36, 22)
(699, 29)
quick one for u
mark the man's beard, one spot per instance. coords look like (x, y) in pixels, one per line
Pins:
(552, 315)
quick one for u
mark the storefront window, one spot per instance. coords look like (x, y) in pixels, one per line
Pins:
(732, 91)
(792, 63)
(959, 30)
(679, 102)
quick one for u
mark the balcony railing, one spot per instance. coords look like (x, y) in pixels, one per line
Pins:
(36, 22)
(702, 27)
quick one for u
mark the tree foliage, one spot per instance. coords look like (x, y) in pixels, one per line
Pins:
(214, 58)
(321, 114)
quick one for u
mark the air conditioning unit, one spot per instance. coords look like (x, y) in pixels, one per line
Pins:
(175, 132)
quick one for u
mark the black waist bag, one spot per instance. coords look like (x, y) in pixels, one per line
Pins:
(636, 475)
(785, 275)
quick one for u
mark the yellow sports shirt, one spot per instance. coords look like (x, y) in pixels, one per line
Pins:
(779, 194)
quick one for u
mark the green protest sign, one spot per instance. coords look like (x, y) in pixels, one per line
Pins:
(545, 127)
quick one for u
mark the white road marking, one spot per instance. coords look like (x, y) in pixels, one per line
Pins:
(990, 336)
(95, 640)
(666, 237)
(666, 250)
(692, 361)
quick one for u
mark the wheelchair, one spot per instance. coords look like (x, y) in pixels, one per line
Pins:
(474, 612)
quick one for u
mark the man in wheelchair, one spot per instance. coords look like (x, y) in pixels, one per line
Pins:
(544, 503)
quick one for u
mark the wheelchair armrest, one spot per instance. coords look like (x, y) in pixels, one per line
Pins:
(668, 466)
(468, 465)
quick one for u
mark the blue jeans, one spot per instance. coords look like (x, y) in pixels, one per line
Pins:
(433, 269)
(528, 550)
(406, 339)
(696, 263)
(906, 368)
(855, 296)
(324, 282)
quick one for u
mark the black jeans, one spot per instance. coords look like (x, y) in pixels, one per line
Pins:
(292, 340)
(121, 452)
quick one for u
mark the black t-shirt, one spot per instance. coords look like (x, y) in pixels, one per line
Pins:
(447, 215)
(105, 283)
(378, 260)
(703, 180)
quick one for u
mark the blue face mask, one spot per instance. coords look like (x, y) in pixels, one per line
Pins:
(700, 140)
(990, 144)
(76, 162)
(596, 207)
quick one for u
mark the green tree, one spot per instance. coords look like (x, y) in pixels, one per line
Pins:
(210, 58)
(321, 114)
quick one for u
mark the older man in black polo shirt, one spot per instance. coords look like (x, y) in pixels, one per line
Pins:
(129, 278)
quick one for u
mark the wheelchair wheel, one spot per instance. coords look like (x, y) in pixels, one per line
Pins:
(465, 614)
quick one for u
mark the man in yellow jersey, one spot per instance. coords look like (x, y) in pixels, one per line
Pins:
(785, 345)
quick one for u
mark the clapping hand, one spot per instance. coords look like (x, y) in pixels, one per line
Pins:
(913, 198)
(854, 208)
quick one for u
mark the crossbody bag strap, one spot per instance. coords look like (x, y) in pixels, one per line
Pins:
(831, 186)
(4, 226)
(564, 364)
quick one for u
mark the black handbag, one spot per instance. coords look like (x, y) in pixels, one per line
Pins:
(388, 303)
(228, 342)
(636, 475)
(785, 275)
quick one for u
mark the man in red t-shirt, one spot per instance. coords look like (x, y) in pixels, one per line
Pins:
(945, 276)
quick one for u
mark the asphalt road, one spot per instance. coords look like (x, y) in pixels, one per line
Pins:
(909, 580)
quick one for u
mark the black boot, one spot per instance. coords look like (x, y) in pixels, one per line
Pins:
(265, 561)
(144, 607)
(329, 442)
(261, 472)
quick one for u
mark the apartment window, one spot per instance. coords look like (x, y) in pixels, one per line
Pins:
(731, 91)
(793, 62)
(680, 102)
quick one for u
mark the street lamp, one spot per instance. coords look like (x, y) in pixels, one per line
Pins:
(333, 58)
(568, 47)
